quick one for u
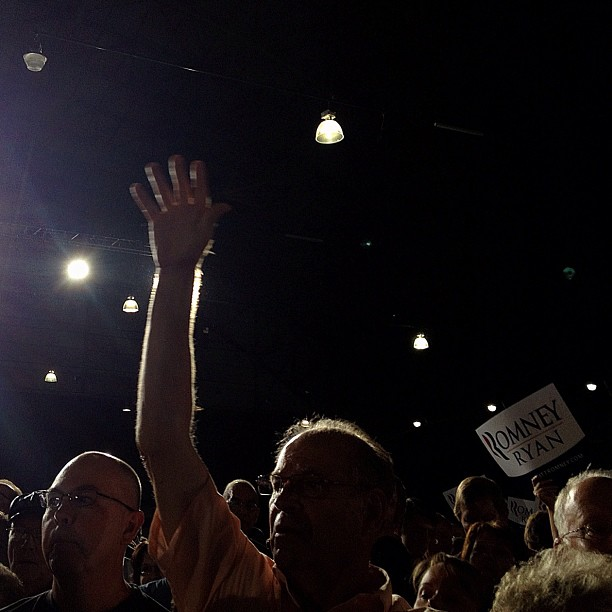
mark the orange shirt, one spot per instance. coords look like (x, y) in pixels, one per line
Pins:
(212, 566)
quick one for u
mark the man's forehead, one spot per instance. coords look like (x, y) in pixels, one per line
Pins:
(86, 471)
(243, 491)
(591, 493)
(321, 452)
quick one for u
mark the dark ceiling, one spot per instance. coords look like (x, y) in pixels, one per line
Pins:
(469, 228)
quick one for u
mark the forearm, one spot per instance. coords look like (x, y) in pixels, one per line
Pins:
(165, 387)
(551, 520)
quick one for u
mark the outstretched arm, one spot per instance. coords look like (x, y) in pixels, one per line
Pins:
(181, 221)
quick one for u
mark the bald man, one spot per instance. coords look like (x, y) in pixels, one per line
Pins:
(583, 512)
(91, 515)
(243, 500)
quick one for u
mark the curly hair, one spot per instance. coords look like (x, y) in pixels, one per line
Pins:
(559, 579)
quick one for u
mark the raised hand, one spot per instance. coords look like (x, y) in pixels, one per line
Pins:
(181, 216)
(545, 490)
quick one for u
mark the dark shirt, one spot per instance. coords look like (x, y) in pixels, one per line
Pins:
(136, 602)
(160, 591)
(258, 538)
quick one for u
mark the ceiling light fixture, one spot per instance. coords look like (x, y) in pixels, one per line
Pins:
(591, 386)
(77, 269)
(491, 407)
(130, 305)
(329, 130)
(34, 59)
(50, 377)
(420, 342)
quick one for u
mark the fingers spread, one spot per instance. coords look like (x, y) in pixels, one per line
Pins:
(180, 180)
(143, 200)
(188, 186)
(159, 184)
(199, 181)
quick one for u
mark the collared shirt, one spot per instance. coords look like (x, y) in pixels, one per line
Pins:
(212, 566)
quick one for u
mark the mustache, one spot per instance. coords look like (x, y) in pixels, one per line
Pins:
(63, 538)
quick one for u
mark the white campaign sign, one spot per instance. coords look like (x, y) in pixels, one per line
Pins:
(520, 509)
(531, 433)
(449, 496)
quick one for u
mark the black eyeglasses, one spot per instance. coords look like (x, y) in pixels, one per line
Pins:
(302, 485)
(81, 499)
(588, 532)
(245, 505)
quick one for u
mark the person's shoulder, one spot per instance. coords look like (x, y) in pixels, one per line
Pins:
(399, 604)
(36, 603)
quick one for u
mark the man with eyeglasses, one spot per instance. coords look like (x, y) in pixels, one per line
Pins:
(24, 549)
(330, 488)
(243, 500)
(583, 512)
(8, 492)
(91, 514)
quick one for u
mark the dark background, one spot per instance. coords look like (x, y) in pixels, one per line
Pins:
(470, 229)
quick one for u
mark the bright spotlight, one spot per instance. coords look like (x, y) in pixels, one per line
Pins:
(591, 386)
(416, 423)
(491, 407)
(77, 269)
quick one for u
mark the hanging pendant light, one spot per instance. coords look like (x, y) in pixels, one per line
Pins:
(50, 377)
(130, 304)
(34, 59)
(420, 342)
(329, 130)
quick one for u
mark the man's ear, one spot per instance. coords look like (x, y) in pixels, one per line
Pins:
(376, 508)
(133, 526)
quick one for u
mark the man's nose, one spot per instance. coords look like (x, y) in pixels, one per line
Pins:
(64, 515)
(286, 498)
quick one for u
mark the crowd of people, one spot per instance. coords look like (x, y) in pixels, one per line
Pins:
(342, 533)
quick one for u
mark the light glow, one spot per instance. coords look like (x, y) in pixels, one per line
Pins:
(78, 269)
